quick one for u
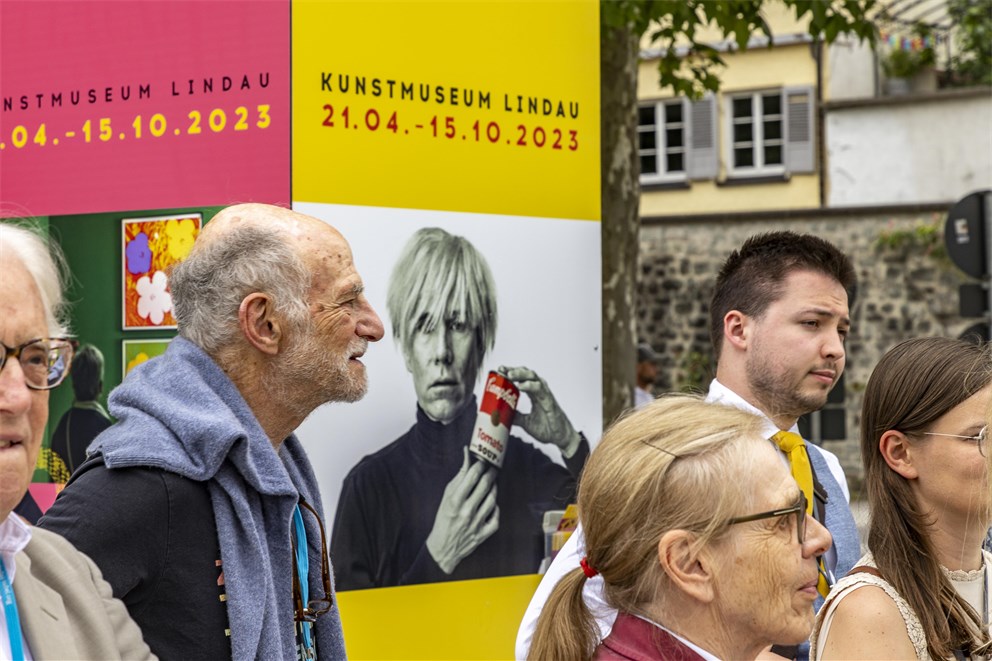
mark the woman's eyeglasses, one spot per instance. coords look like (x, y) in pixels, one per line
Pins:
(979, 439)
(799, 509)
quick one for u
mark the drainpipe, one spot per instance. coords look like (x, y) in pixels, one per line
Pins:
(816, 49)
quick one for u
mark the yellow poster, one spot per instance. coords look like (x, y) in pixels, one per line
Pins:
(456, 146)
(488, 107)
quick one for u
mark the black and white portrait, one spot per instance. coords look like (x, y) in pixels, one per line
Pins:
(415, 506)
(420, 509)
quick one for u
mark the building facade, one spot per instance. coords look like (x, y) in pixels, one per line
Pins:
(803, 136)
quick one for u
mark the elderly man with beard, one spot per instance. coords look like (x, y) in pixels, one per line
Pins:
(200, 505)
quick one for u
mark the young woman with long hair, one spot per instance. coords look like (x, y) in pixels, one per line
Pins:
(923, 589)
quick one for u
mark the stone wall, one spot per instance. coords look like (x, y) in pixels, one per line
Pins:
(906, 288)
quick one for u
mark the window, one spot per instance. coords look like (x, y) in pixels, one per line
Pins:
(676, 140)
(756, 132)
(827, 424)
(770, 132)
(662, 130)
(765, 133)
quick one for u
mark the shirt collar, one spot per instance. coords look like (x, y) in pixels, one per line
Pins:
(14, 537)
(695, 648)
(721, 394)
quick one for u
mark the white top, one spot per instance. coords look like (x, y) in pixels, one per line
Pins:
(641, 397)
(574, 549)
(971, 586)
(14, 537)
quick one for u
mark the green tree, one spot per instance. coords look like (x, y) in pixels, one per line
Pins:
(972, 65)
(691, 70)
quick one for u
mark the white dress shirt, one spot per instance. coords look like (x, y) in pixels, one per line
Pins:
(14, 537)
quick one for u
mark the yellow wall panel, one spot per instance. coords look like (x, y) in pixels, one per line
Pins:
(457, 620)
(801, 192)
(510, 124)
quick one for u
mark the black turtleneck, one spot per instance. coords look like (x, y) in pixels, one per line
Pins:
(389, 500)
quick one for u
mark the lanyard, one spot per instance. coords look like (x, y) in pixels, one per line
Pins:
(10, 611)
(303, 572)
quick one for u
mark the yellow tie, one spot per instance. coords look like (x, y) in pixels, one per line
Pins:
(794, 447)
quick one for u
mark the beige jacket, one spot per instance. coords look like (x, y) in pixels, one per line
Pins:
(67, 610)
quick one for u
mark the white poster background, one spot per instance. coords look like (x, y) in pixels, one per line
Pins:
(548, 285)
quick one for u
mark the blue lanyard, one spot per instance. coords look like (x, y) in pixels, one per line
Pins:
(303, 572)
(10, 610)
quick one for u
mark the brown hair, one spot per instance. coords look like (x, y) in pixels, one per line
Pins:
(751, 278)
(988, 456)
(913, 385)
(665, 466)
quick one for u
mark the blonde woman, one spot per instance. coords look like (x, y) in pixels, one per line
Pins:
(923, 589)
(701, 537)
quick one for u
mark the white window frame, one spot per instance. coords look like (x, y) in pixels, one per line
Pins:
(759, 169)
(661, 149)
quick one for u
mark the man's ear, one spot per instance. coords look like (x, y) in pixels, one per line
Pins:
(688, 570)
(736, 329)
(898, 453)
(259, 324)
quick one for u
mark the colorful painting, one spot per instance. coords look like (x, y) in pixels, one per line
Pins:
(140, 351)
(151, 247)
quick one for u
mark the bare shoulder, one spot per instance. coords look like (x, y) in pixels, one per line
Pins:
(867, 624)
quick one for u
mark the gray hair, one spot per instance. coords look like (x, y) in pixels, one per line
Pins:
(439, 274)
(45, 263)
(209, 285)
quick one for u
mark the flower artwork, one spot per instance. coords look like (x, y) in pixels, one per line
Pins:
(151, 247)
(136, 352)
(154, 302)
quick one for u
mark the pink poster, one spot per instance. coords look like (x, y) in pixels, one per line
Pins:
(143, 105)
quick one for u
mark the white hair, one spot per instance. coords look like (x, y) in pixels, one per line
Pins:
(45, 263)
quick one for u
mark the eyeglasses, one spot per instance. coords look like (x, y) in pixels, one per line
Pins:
(799, 509)
(979, 439)
(313, 607)
(45, 361)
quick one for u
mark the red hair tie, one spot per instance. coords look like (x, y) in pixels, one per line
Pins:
(587, 569)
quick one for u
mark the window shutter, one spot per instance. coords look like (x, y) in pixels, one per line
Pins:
(702, 145)
(800, 133)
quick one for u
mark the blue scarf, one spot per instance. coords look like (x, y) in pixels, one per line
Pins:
(180, 413)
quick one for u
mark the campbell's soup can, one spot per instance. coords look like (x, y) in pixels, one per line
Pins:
(492, 426)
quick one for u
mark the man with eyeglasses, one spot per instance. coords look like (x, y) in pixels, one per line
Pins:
(53, 602)
(200, 505)
(779, 318)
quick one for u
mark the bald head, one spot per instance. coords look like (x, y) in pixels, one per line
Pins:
(286, 221)
(250, 248)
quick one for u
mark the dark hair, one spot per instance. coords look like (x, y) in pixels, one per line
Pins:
(87, 373)
(751, 278)
(913, 385)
